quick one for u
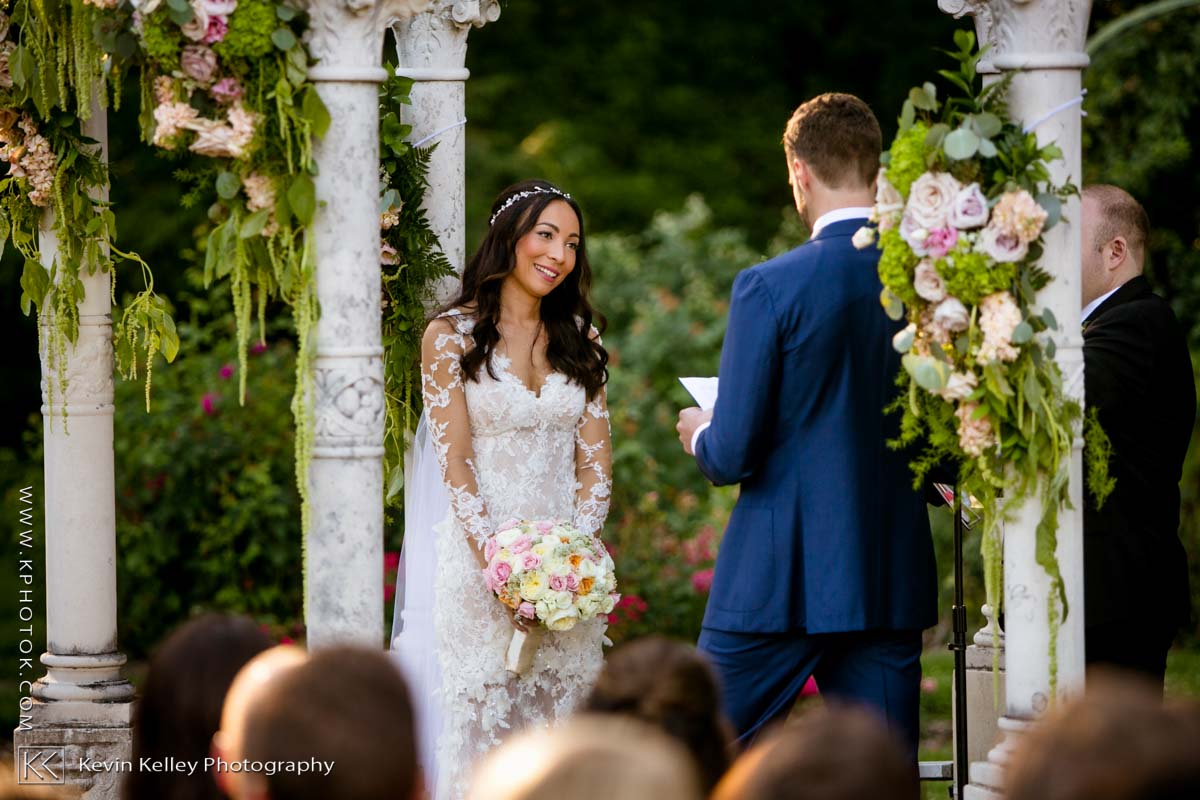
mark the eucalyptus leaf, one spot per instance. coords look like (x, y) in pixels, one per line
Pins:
(931, 90)
(907, 115)
(1053, 208)
(1022, 333)
(286, 13)
(902, 341)
(960, 144)
(936, 135)
(126, 45)
(302, 197)
(921, 99)
(986, 125)
(283, 38)
(987, 149)
(314, 110)
(227, 185)
(891, 305)
(1049, 318)
(181, 17)
(179, 5)
(926, 371)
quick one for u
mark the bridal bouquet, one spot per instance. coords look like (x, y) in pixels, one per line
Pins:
(963, 202)
(549, 572)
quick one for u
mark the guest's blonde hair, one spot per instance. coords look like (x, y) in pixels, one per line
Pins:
(590, 757)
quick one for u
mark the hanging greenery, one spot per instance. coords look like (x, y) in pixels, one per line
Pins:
(962, 206)
(413, 263)
(52, 75)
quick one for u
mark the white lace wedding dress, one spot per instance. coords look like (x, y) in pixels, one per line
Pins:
(527, 456)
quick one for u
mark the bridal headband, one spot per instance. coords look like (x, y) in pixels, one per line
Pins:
(521, 196)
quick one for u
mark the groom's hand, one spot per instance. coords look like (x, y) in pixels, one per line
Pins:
(689, 420)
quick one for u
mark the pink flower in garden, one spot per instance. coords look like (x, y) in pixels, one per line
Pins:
(226, 371)
(286, 640)
(702, 580)
(558, 583)
(226, 90)
(490, 549)
(217, 28)
(631, 606)
(522, 544)
(209, 403)
(258, 347)
(940, 241)
(531, 561)
(526, 610)
(929, 685)
(391, 561)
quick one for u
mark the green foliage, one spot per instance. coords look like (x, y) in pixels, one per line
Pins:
(250, 31)
(971, 276)
(896, 264)
(665, 294)
(1097, 450)
(906, 157)
(160, 39)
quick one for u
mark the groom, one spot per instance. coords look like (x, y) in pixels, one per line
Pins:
(827, 565)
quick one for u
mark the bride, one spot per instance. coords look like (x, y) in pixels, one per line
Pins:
(513, 378)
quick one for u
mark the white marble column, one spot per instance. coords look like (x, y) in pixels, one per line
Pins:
(1042, 42)
(82, 704)
(432, 50)
(344, 554)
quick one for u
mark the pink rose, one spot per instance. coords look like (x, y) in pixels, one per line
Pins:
(940, 241)
(558, 583)
(490, 549)
(702, 580)
(1002, 246)
(572, 582)
(913, 234)
(226, 90)
(531, 561)
(226, 371)
(199, 63)
(217, 28)
(509, 525)
(545, 526)
(931, 198)
(499, 573)
(928, 283)
(526, 610)
(522, 544)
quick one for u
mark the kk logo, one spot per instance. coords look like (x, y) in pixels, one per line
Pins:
(44, 765)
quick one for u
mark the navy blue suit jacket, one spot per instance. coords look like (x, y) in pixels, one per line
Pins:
(828, 534)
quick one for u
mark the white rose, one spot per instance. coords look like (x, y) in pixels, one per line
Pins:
(544, 608)
(931, 198)
(220, 7)
(952, 315)
(887, 199)
(561, 599)
(959, 387)
(928, 283)
(591, 605)
(913, 234)
(1004, 247)
(562, 619)
(902, 341)
(970, 209)
(863, 238)
(197, 28)
(607, 604)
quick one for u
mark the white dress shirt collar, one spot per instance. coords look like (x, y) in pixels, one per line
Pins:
(1091, 307)
(839, 215)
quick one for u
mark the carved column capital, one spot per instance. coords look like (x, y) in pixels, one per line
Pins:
(435, 41)
(346, 36)
(1027, 34)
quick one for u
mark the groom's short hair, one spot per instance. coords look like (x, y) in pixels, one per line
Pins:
(838, 136)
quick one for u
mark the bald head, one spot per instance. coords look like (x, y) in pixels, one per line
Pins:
(1115, 230)
(249, 683)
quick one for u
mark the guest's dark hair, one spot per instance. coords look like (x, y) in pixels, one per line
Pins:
(180, 707)
(833, 753)
(1116, 742)
(669, 685)
(348, 705)
(566, 312)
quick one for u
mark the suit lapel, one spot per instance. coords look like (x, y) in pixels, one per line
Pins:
(1129, 291)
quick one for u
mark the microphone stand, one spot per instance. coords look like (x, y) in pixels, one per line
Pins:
(958, 644)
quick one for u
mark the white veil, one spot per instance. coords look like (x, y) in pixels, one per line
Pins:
(414, 645)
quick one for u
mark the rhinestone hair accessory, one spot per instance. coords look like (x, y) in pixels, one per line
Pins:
(519, 196)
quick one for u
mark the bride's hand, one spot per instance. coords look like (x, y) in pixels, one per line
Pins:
(480, 559)
(521, 624)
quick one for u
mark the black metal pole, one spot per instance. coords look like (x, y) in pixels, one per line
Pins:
(959, 646)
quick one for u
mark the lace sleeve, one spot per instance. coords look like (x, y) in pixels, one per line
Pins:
(593, 465)
(449, 425)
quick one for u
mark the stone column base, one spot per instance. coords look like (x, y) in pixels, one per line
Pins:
(987, 777)
(80, 744)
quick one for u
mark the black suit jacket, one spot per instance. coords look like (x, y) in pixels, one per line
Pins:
(1139, 376)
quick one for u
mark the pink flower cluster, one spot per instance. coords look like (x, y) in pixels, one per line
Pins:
(974, 435)
(999, 316)
(29, 156)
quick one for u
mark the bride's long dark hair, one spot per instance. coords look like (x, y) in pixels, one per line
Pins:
(566, 312)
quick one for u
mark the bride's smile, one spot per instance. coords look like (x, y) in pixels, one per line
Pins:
(546, 254)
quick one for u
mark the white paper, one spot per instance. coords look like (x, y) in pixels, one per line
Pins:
(702, 390)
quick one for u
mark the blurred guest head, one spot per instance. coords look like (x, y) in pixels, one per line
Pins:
(347, 714)
(829, 754)
(250, 681)
(180, 706)
(590, 757)
(1118, 742)
(669, 685)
